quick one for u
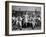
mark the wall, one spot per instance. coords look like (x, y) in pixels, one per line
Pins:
(2, 19)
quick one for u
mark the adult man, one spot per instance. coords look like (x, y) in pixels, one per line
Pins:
(20, 22)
